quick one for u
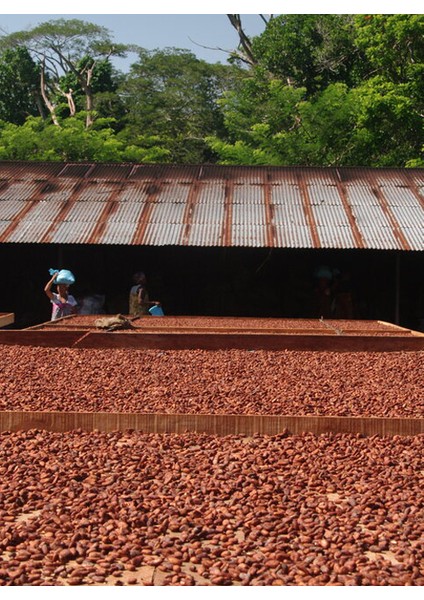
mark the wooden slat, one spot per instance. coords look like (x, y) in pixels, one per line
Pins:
(210, 341)
(6, 319)
(247, 341)
(34, 337)
(211, 424)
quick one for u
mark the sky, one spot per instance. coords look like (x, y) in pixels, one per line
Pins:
(197, 33)
(173, 25)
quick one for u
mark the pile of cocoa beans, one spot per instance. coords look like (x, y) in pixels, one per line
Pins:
(128, 508)
(379, 384)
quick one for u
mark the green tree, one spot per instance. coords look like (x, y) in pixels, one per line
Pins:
(310, 51)
(19, 96)
(389, 129)
(61, 47)
(333, 99)
(292, 129)
(173, 95)
(393, 45)
(104, 83)
(38, 140)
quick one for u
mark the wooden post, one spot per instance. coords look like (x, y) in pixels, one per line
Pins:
(397, 289)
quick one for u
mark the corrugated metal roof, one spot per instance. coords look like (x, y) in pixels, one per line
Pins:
(211, 205)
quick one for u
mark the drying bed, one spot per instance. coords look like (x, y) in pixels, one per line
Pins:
(131, 508)
(218, 333)
(134, 509)
(235, 324)
(223, 382)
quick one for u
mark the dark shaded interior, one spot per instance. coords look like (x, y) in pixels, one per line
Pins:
(384, 285)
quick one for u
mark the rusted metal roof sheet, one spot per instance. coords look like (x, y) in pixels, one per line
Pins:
(211, 205)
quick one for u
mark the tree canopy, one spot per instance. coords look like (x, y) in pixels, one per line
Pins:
(310, 90)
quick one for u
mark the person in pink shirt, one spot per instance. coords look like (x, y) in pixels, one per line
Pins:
(63, 303)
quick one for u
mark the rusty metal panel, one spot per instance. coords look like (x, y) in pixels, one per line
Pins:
(58, 190)
(19, 190)
(385, 207)
(333, 226)
(119, 232)
(165, 173)
(86, 212)
(3, 226)
(166, 224)
(73, 232)
(417, 176)
(379, 238)
(408, 220)
(167, 212)
(44, 210)
(290, 236)
(10, 208)
(370, 216)
(361, 195)
(29, 170)
(250, 235)
(125, 212)
(286, 214)
(335, 237)
(110, 172)
(36, 222)
(324, 195)
(96, 191)
(205, 213)
(247, 175)
(408, 212)
(283, 177)
(248, 194)
(133, 192)
(27, 231)
(290, 223)
(177, 193)
(236, 174)
(287, 194)
(314, 175)
(249, 215)
(371, 220)
(122, 223)
(211, 193)
(206, 234)
(77, 170)
(399, 196)
(164, 234)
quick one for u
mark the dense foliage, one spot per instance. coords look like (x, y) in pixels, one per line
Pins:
(316, 90)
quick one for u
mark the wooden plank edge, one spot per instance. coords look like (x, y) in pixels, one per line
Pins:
(209, 424)
(6, 319)
(199, 341)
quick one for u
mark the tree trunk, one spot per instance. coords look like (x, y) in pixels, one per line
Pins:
(71, 103)
(89, 97)
(50, 107)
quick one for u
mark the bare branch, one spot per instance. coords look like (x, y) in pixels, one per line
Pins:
(245, 42)
(217, 48)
